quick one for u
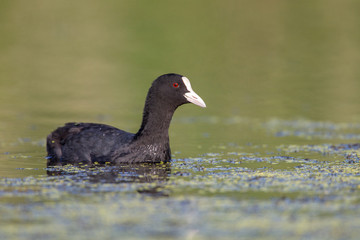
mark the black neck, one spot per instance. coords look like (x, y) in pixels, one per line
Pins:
(156, 121)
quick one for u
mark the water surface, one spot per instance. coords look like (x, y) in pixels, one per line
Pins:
(275, 154)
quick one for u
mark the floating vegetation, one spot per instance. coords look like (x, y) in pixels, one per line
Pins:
(309, 129)
(251, 190)
(198, 198)
(350, 152)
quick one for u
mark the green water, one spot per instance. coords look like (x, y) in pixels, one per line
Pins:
(273, 156)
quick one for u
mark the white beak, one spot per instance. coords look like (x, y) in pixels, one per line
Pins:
(191, 96)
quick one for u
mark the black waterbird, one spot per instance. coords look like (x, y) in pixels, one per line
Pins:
(89, 143)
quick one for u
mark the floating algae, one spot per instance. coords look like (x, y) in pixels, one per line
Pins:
(252, 190)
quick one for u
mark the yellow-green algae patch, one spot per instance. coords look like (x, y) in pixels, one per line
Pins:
(307, 129)
(252, 191)
(218, 195)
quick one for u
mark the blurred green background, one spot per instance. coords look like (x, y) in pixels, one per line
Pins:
(76, 60)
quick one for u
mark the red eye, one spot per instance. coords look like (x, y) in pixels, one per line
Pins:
(176, 85)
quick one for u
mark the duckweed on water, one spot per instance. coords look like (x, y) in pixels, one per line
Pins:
(284, 191)
(210, 197)
(309, 129)
(350, 152)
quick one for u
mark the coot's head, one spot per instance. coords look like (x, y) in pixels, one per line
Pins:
(176, 90)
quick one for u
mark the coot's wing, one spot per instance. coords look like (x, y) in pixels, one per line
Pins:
(77, 142)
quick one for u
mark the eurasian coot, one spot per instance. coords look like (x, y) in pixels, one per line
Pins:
(88, 143)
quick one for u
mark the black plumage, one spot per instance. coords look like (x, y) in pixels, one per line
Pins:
(88, 143)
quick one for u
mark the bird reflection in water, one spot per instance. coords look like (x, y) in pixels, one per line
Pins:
(157, 173)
